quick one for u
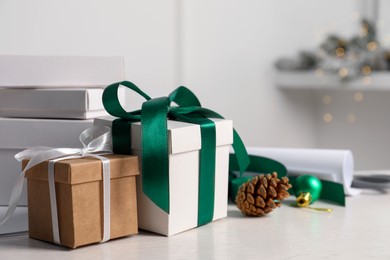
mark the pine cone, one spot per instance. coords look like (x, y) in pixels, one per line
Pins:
(261, 194)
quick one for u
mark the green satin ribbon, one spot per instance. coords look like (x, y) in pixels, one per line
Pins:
(155, 167)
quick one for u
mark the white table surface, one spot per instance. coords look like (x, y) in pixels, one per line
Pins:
(361, 230)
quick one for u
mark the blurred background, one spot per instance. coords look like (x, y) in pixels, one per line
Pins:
(225, 51)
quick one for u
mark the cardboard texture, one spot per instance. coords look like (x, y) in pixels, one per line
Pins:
(184, 146)
(79, 200)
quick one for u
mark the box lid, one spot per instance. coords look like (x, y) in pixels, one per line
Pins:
(88, 169)
(46, 100)
(26, 71)
(24, 133)
(182, 137)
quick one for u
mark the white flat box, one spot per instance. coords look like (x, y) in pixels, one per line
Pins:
(184, 145)
(19, 134)
(17, 223)
(52, 103)
(59, 71)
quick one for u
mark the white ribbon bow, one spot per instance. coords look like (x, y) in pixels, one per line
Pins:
(94, 139)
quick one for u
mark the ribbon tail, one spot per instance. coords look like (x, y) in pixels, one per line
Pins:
(240, 154)
(155, 159)
(31, 152)
(332, 191)
(14, 198)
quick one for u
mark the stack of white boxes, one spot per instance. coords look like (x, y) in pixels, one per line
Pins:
(46, 101)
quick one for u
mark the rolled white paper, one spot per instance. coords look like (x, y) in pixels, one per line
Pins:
(331, 165)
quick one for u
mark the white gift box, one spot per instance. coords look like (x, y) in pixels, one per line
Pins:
(19, 134)
(52, 103)
(59, 71)
(184, 146)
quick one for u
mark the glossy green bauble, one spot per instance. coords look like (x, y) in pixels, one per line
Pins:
(308, 184)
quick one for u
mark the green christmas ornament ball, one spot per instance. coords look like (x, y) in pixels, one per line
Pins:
(307, 189)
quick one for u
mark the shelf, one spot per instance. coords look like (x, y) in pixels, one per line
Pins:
(307, 80)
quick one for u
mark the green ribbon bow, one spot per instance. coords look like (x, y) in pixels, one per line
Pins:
(153, 117)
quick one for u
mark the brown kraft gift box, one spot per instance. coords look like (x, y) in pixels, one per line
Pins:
(79, 194)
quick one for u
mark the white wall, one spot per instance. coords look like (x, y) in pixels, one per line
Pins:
(229, 50)
(367, 135)
(224, 50)
(141, 31)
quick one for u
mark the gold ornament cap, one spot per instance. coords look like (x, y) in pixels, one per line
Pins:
(304, 199)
